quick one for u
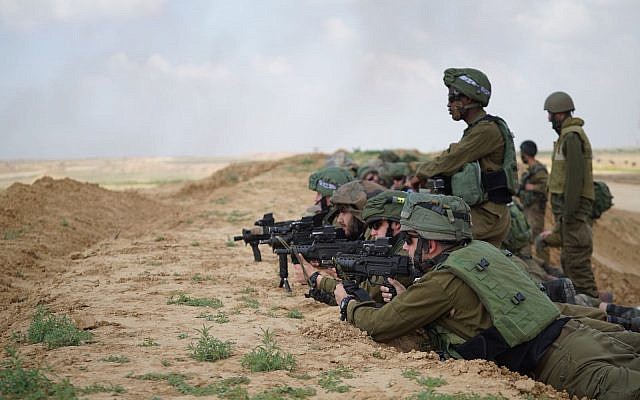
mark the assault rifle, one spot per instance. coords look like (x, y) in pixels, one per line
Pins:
(325, 243)
(261, 232)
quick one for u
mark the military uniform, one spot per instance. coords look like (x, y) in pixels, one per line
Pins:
(534, 202)
(482, 141)
(565, 353)
(572, 195)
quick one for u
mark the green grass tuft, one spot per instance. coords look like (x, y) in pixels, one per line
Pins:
(99, 388)
(268, 356)
(295, 314)
(285, 392)
(55, 331)
(226, 388)
(331, 381)
(208, 348)
(16, 382)
(116, 359)
(186, 300)
(148, 342)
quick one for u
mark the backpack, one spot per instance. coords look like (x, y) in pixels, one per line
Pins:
(603, 199)
(520, 232)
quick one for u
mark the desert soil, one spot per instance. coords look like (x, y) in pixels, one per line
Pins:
(112, 260)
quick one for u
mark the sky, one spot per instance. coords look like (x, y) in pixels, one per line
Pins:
(132, 78)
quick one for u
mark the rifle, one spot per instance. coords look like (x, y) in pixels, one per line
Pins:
(262, 231)
(373, 261)
(323, 244)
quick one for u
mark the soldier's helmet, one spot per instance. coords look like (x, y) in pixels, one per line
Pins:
(327, 180)
(397, 169)
(355, 194)
(437, 217)
(558, 102)
(529, 148)
(387, 205)
(470, 82)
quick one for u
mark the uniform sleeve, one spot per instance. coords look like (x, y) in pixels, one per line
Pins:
(479, 142)
(574, 174)
(539, 180)
(327, 284)
(422, 303)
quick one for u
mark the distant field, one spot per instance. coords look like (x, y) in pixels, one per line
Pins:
(121, 173)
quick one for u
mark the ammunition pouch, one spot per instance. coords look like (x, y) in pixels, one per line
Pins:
(476, 187)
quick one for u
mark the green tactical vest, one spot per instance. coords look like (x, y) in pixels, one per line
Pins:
(530, 197)
(520, 232)
(559, 163)
(467, 183)
(519, 309)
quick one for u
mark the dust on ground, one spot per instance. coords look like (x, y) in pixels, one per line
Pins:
(112, 260)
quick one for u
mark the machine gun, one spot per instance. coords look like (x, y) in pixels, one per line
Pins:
(261, 232)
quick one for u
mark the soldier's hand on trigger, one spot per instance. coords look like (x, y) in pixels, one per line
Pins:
(386, 295)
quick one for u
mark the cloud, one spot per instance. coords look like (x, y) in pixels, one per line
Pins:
(337, 31)
(557, 20)
(27, 14)
(157, 66)
(395, 71)
(272, 65)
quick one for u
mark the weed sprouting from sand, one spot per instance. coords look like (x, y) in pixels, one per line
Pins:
(64, 222)
(331, 381)
(220, 318)
(116, 359)
(230, 243)
(165, 362)
(285, 392)
(183, 335)
(55, 331)
(250, 302)
(185, 299)
(17, 382)
(226, 388)
(148, 342)
(12, 234)
(268, 356)
(100, 388)
(159, 239)
(198, 277)
(209, 348)
(295, 314)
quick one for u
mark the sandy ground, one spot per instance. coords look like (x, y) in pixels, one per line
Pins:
(112, 260)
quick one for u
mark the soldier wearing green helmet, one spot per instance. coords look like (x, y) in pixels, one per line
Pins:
(572, 194)
(381, 213)
(475, 303)
(324, 182)
(349, 200)
(481, 168)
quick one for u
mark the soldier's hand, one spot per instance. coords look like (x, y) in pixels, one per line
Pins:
(543, 235)
(339, 293)
(298, 275)
(529, 186)
(387, 296)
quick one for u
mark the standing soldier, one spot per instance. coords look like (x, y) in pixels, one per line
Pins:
(481, 168)
(533, 190)
(572, 195)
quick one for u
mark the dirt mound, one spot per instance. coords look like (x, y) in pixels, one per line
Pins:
(241, 172)
(52, 218)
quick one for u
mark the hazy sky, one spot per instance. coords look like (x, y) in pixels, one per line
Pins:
(95, 78)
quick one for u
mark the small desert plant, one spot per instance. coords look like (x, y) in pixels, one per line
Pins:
(116, 359)
(225, 388)
(268, 356)
(16, 382)
(195, 302)
(99, 388)
(148, 342)
(285, 392)
(331, 381)
(250, 302)
(208, 348)
(55, 331)
(295, 314)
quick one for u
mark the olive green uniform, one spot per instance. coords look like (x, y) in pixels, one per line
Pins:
(581, 360)
(482, 141)
(534, 202)
(571, 188)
